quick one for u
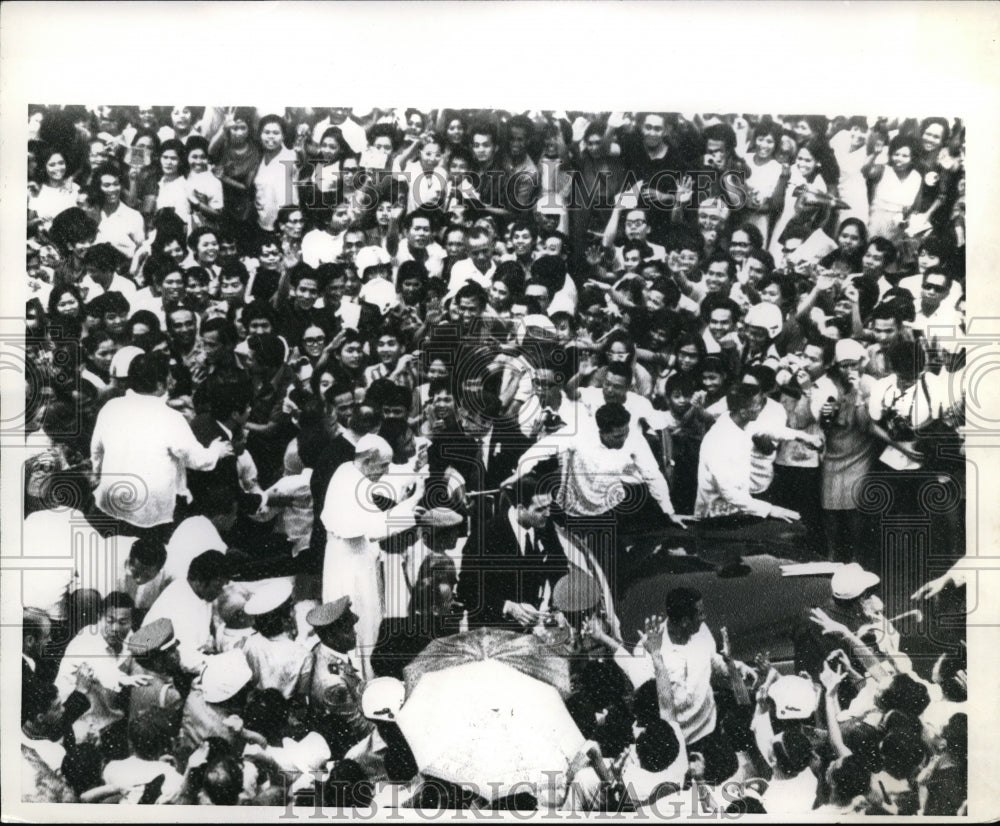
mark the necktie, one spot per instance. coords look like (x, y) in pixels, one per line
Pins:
(529, 546)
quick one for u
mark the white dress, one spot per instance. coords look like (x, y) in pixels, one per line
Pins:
(354, 526)
(788, 212)
(51, 200)
(763, 180)
(852, 187)
(175, 194)
(890, 198)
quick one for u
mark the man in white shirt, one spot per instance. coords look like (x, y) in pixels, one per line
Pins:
(419, 244)
(768, 430)
(596, 470)
(725, 463)
(685, 663)
(141, 450)
(102, 648)
(615, 391)
(936, 318)
(102, 263)
(188, 604)
(478, 267)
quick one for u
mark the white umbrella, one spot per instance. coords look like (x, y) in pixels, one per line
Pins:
(487, 726)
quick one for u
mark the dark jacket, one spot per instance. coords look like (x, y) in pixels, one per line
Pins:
(494, 570)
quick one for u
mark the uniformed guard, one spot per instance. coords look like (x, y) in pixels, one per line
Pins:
(276, 659)
(154, 648)
(332, 681)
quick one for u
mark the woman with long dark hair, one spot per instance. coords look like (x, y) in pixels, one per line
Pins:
(172, 190)
(53, 192)
(897, 189)
(815, 172)
(852, 239)
(143, 171)
(119, 224)
(274, 182)
(235, 156)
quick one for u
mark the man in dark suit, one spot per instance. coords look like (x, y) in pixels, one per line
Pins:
(228, 398)
(469, 437)
(512, 562)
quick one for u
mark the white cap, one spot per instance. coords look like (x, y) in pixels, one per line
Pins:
(224, 675)
(270, 596)
(794, 697)
(852, 581)
(371, 257)
(379, 292)
(847, 349)
(122, 359)
(383, 698)
(767, 316)
(536, 324)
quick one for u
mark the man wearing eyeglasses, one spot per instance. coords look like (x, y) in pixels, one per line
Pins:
(937, 319)
(636, 229)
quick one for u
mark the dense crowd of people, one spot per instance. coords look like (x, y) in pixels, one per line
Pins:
(310, 391)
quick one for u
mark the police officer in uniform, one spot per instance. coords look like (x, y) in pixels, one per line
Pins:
(154, 648)
(332, 682)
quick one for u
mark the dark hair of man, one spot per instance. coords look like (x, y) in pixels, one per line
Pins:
(641, 247)
(225, 328)
(885, 247)
(904, 694)
(444, 384)
(906, 357)
(792, 751)
(207, 566)
(199, 274)
(484, 127)
(148, 551)
(714, 302)
(146, 373)
(268, 239)
(657, 747)
(681, 603)
(725, 258)
(257, 309)
(234, 268)
(887, 311)
(112, 302)
(522, 224)
(741, 396)
(105, 257)
(267, 348)
(681, 239)
(474, 291)
(683, 383)
(669, 289)
(36, 698)
(117, 601)
(303, 270)
(223, 780)
(228, 394)
(720, 132)
(620, 369)
(526, 489)
(611, 416)
(410, 217)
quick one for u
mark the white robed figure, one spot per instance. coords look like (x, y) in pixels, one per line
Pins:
(354, 525)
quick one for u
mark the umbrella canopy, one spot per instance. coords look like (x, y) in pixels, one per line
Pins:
(524, 652)
(488, 726)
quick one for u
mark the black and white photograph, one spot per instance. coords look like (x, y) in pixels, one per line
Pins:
(483, 458)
